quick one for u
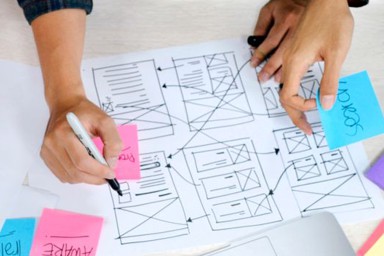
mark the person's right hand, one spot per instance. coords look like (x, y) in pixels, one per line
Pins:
(64, 154)
(324, 34)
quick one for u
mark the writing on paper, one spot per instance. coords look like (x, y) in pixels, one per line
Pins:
(62, 233)
(126, 155)
(16, 237)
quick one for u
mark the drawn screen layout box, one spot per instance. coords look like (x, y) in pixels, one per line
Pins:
(231, 184)
(212, 91)
(131, 92)
(308, 89)
(320, 179)
(150, 209)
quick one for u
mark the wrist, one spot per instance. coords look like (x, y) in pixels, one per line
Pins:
(61, 96)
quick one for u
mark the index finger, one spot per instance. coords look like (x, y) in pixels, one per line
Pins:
(293, 71)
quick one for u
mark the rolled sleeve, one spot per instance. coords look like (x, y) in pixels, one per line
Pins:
(34, 8)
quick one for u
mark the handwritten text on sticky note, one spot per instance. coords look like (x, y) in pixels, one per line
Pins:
(65, 233)
(356, 114)
(128, 165)
(16, 237)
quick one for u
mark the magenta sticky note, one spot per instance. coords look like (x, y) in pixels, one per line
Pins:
(376, 172)
(379, 231)
(128, 165)
(66, 233)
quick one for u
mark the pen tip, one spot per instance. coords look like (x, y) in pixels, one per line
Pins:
(119, 192)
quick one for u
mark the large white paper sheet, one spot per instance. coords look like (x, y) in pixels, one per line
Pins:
(30, 202)
(219, 156)
(22, 102)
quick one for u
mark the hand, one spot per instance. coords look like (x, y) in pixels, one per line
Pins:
(64, 154)
(59, 39)
(324, 33)
(277, 20)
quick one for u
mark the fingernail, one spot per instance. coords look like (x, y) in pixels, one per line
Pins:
(110, 175)
(278, 77)
(263, 77)
(112, 161)
(327, 101)
(255, 62)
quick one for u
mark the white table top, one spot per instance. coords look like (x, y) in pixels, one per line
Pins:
(122, 26)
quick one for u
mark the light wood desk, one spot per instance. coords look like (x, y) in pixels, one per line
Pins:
(122, 26)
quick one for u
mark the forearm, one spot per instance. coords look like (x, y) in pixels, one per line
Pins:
(59, 38)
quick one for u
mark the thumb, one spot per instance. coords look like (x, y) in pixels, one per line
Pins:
(112, 141)
(329, 84)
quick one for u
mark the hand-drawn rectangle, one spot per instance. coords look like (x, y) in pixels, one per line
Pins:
(231, 184)
(306, 168)
(212, 91)
(334, 162)
(270, 90)
(131, 93)
(150, 208)
(296, 141)
(221, 157)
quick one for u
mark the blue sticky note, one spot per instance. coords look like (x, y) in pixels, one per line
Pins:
(356, 114)
(16, 237)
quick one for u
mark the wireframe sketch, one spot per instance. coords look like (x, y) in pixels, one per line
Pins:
(233, 190)
(212, 91)
(319, 178)
(130, 92)
(308, 89)
(150, 209)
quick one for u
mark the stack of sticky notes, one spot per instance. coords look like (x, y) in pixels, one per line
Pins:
(374, 246)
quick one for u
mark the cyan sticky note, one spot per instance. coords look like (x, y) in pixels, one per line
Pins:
(16, 236)
(356, 114)
(128, 162)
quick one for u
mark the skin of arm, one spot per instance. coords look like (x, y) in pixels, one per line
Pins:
(59, 38)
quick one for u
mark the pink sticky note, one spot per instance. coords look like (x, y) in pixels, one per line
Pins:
(66, 233)
(379, 231)
(128, 165)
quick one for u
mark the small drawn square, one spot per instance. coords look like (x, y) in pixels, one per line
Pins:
(125, 198)
(334, 162)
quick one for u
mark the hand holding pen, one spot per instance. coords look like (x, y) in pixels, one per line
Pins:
(64, 154)
(91, 148)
